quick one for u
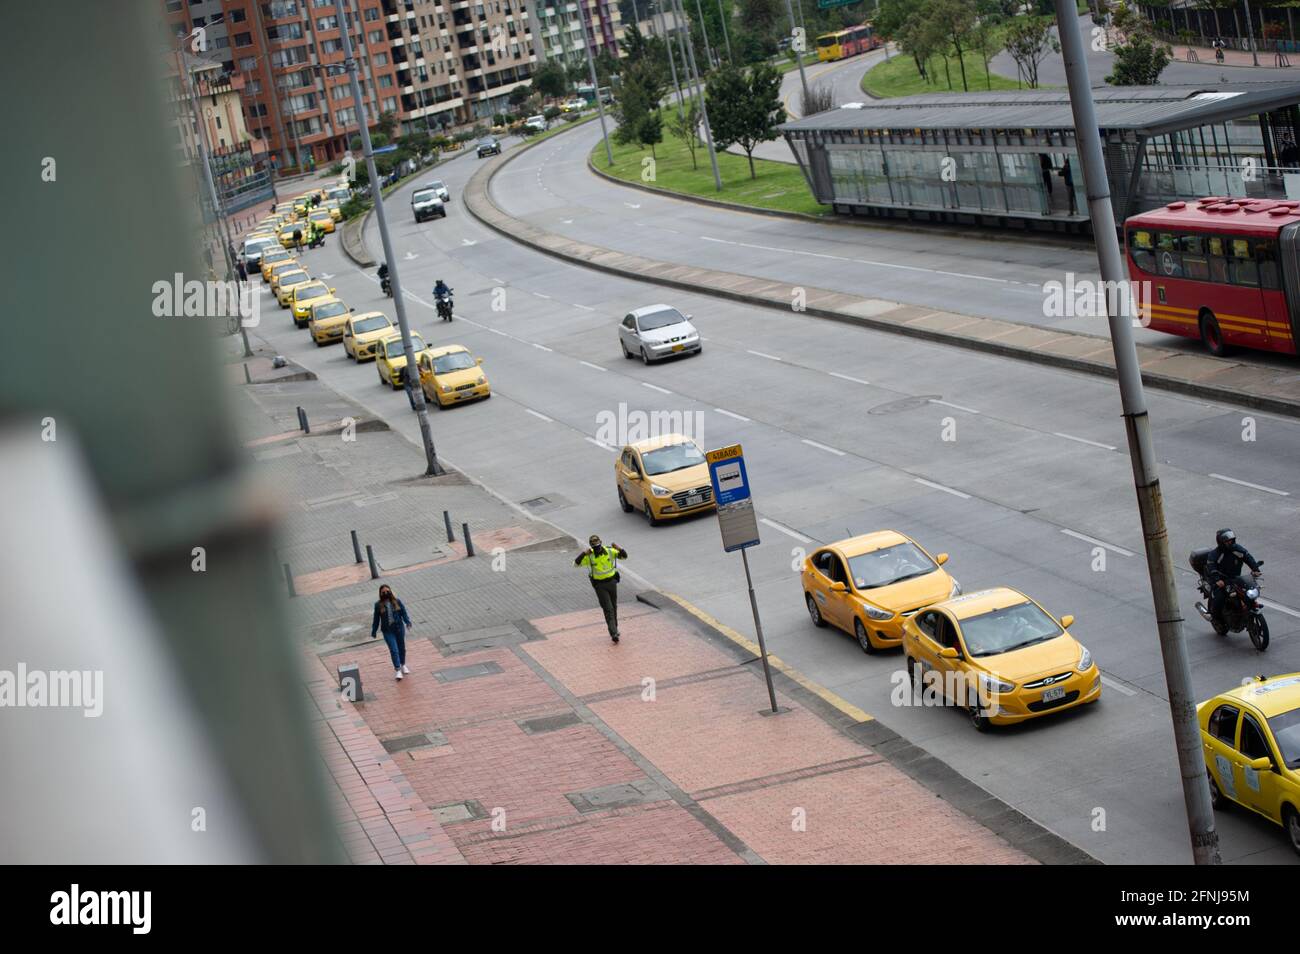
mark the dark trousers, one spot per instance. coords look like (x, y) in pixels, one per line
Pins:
(396, 648)
(1218, 594)
(607, 594)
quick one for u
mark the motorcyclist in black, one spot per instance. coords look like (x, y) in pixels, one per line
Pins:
(440, 288)
(1223, 567)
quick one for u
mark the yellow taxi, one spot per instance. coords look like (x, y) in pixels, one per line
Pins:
(287, 234)
(275, 255)
(361, 333)
(334, 208)
(284, 209)
(1251, 737)
(300, 205)
(284, 282)
(451, 375)
(869, 585)
(1000, 656)
(304, 296)
(663, 478)
(283, 266)
(390, 359)
(322, 219)
(326, 320)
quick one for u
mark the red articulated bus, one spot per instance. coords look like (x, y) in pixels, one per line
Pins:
(1222, 269)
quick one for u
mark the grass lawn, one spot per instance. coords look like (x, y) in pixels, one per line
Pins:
(786, 64)
(779, 185)
(897, 76)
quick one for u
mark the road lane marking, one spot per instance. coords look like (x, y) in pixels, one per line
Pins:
(1246, 483)
(537, 346)
(829, 450)
(1281, 609)
(595, 367)
(1084, 440)
(655, 387)
(968, 410)
(786, 530)
(540, 295)
(946, 490)
(1095, 542)
(845, 377)
(760, 354)
(584, 307)
(601, 444)
(1117, 686)
(542, 416)
(731, 414)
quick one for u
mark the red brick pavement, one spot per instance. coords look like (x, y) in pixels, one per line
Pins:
(699, 769)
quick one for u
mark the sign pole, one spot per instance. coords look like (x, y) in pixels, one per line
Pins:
(758, 628)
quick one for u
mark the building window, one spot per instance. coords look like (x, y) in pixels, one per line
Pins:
(237, 16)
(389, 105)
(248, 63)
(381, 59)
(375, 36)
(327, 23)
(243, 39)
(385, 81)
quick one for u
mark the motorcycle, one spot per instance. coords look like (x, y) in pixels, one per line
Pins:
(1242, 608)
(317, 241)
(387, 286)
(445, 306)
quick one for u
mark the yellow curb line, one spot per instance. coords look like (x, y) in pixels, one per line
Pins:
(848, 708)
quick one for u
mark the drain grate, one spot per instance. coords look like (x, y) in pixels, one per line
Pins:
(906, 404)
(537, 502)
(617, 796)
(549, 723)
(408, 742)
(461, 673)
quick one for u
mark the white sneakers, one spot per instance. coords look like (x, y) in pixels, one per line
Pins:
(398, 673)
(406, 668)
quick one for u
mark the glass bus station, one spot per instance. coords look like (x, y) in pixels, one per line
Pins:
(1008, 158)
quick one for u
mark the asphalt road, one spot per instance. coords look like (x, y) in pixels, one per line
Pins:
(844, 430)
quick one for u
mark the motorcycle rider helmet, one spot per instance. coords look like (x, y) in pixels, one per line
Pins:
(1225, 538)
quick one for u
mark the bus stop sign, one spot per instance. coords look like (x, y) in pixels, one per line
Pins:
(736, 518)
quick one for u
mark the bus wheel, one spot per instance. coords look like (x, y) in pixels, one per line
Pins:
(1212, 335)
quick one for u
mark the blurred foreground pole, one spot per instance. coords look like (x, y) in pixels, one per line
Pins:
(1169, 620)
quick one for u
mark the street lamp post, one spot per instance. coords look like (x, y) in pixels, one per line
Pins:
(587, 42)
(704, 32)
(672, 60)
(699, 89)
(798, 54)
(433, 469)
(1137, 424)
(722, 15)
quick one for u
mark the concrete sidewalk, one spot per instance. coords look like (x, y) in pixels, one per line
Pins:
(1234, 382)
(523, 734)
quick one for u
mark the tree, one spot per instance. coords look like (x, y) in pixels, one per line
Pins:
(638, 101)
(633, 43)
(686, 127)
(1028, 41)
(745, 107)
(518, 96)
(550, 79)
(650, 131)
(954, 20)
(1141, 58)
(918, 38)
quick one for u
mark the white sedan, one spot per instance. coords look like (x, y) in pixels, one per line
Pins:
(657, 331)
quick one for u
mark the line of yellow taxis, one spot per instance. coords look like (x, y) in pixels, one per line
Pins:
(996, 653)
(448, 374)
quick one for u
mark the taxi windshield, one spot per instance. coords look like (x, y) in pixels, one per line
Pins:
(665, 460)
(330, 309)
(456, 361)
(660, 319)
(374, 323)
(292, 278)
(1004, 630)
(889, 565)
(310, 291)
(1286, 730)
(394, 346)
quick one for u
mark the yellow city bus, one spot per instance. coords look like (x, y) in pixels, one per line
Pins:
(847, 42)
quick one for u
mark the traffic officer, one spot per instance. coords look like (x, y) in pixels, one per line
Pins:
(602, 567)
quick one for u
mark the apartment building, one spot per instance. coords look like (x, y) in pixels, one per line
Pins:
(563, 26)
(433, 64)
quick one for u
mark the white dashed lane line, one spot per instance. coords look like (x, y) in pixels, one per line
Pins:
(784, 529)
(655, 387)
(1083, 440)
(539, 347)
(594, 367)
(1281, 609)
(601, 444)
(760, 354)
(947, 490)
(1117, 686)
(845, 377)
(731, 414)
(829, 450)
(968, 410)
(539, 415)
(1097, 543)
(1246, 483)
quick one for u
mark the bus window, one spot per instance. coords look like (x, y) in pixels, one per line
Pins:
(1139, 243)
(1218, 260)
(1195, 264)
(1266, 259)
(1168, 259)
(1242, 269)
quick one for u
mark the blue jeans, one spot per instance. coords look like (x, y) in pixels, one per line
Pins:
(396, 647)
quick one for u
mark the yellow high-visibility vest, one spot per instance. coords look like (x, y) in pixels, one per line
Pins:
(602, 565)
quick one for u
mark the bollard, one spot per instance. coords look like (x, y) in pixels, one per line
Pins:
(374, 567)
(248, 378)
(469, 544)
(356, 546)
(302, 421)
(446, 518)
(288, 578)
(350, 682)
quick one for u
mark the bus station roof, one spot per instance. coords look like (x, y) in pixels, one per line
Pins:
(1145, 110)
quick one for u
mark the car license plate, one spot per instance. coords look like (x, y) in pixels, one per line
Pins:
(678, 347)
(694, 499)
(1056, 692)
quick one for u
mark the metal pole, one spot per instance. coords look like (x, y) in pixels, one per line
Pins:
(288, 579)
(595, 84)
(356, 546)
(672, 60)
(798, 54)
(725, 34)
(302, 421)
(1169, 620)
(708, 53)
(370, 557)
(758, 628)
(1250, 34)
(446, 518)
(469, 544)
(421, 408)
(699, 88)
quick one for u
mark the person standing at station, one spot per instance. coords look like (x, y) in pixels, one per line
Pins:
(1068, 177)
(602, 568)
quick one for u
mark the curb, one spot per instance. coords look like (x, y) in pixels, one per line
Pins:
(976, 803)
(779, 295)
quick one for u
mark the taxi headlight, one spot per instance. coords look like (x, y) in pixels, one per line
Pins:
(1085, 659)
(446, 389)
(991, 683)
(875, 612)
(481, 381)
(660, 491)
